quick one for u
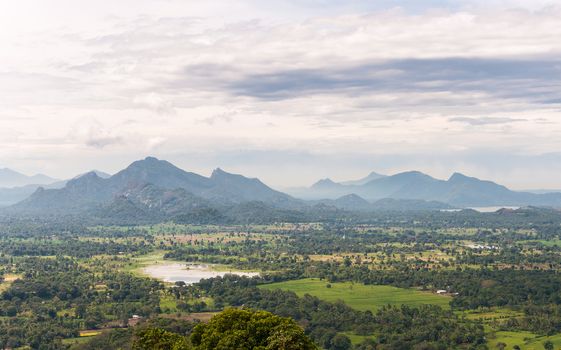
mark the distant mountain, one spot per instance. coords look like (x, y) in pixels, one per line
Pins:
(10, 196)
(350, 202)
(542, 191)
(390, 204)
(458, 191)
(371, 177)
(237, 188)
(147, 203)
(153, 189)
(10, 178)
(325, 188)
(91, 191)
(353, 202)
(13, 195)
(101, 174)
(329, 189)
(326, 184)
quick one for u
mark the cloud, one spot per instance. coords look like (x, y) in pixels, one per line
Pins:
(101, 142)
(96, 136)
(535, 80)
(486, 121)
(333, 78)
(225, 117)
(155, 142)
(155, 102)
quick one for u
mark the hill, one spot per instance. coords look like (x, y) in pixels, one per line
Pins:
(458, 191)
(10, 178)
(146, 185)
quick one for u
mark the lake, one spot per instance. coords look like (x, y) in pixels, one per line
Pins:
(178, 272)
(493, 209)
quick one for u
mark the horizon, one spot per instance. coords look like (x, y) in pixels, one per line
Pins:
(289, 91)
(280, 188)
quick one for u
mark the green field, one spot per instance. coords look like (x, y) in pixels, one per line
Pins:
(359, 296)
(525, 340)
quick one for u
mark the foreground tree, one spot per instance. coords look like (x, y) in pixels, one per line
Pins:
(159, 339)
(248, 329)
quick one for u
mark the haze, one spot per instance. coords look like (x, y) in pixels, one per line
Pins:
(287, 91)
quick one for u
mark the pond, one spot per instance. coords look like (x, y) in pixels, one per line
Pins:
(177, 272)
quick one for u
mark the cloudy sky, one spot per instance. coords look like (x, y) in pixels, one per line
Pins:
(288, 91)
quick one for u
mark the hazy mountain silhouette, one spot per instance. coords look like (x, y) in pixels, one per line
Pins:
(158, 188)
(11, 178)
(90, 190)
(371, 177)
(459, 190)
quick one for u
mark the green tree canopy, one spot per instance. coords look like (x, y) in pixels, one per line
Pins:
(248, 329)
(160, 339)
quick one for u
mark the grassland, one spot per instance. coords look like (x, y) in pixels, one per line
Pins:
(357, 339)
(525, 340)
(359, 296)
(7, 282)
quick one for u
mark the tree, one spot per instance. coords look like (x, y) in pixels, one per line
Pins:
(548, 345)
(340, 342)
(159, 339)
(248, 329)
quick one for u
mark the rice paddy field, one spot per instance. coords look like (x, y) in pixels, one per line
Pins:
(359, 296)
(525, 340)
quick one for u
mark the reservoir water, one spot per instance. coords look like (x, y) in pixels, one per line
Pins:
(176, 272)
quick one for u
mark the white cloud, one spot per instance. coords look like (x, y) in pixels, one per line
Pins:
(154, 101)
(182, 76)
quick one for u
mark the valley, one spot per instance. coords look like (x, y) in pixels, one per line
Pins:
(484, 282)
(101, 261)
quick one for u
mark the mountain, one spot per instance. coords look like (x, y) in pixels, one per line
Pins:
(350, 202)
(329, 189)
(390, 204)
(238, 188)
(155, 189)
(458, 191)
(371, 177)
(77, 195)
(99, 173)
(353, 202)
(325, 188)
(10, 178)
(90, 191)
(13, 195)
(148, 203)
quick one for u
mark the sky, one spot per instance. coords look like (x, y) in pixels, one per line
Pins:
(284, 90)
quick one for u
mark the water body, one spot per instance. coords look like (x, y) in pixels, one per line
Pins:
(493, 209)
(178, 272)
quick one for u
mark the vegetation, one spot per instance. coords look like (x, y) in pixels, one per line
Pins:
(346, 284)
(359, 296)
(246, 329)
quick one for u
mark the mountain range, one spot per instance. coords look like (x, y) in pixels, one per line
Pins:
(151, 185)
(458, 191)
(11, 178)
(28, 184)
(153, 189)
